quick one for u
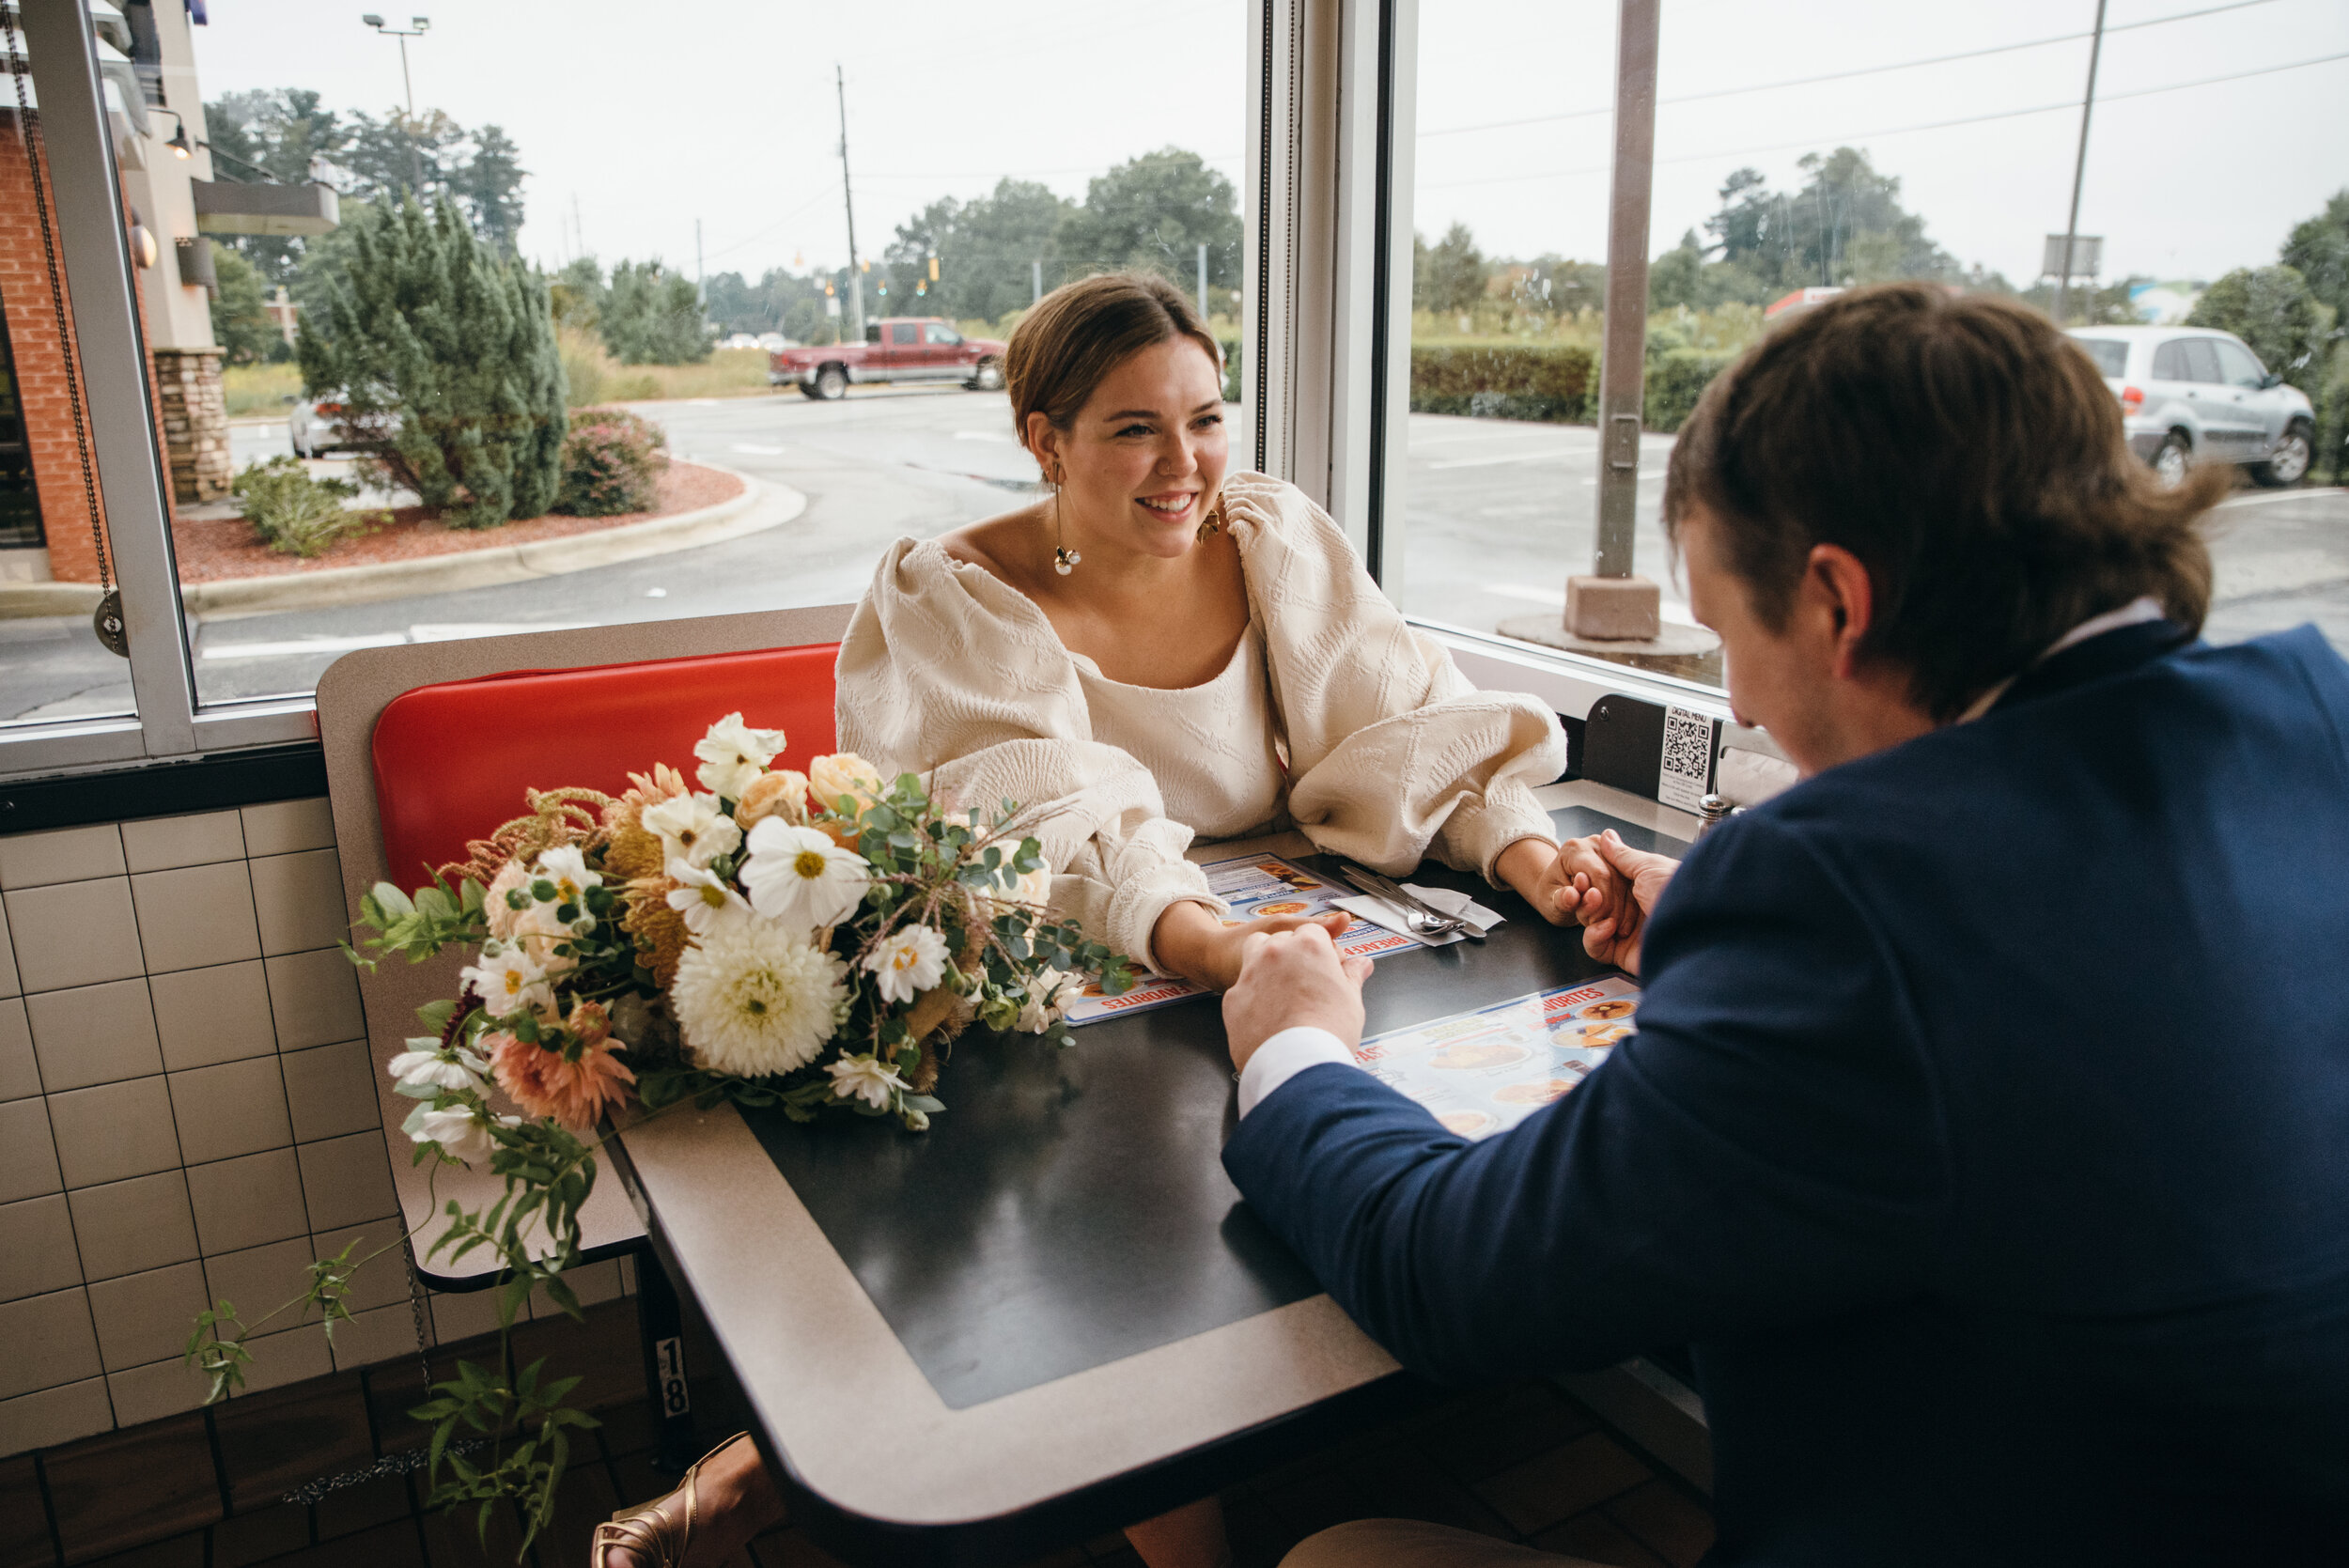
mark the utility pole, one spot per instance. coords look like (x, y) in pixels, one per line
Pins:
(701, 287)
(847, 197)
(418, 27)
(1203, 282)
(2079, 166)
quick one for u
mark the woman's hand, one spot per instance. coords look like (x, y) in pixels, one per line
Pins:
(1613, 888)
(1191, 941)
(1543, 875)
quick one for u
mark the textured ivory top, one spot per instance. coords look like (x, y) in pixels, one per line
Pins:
(950, 670)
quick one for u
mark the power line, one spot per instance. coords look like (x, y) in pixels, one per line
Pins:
(1850, 136)
(1844, 75)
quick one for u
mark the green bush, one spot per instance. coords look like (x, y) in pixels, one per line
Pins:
(444, 352)
(1231, 367)
(1676, 377)
(1505, 380)
(292, 512)
(611, 460)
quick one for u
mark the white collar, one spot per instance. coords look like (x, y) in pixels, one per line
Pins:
(2136, 613)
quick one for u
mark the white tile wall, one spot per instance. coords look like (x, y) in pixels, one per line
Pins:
(187, 1114)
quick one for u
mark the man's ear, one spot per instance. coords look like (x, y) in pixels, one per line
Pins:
(1838, 583)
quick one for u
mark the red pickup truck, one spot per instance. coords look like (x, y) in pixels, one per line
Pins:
(898, 348)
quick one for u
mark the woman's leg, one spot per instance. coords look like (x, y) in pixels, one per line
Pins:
(735, 1499)
(1190, 1537)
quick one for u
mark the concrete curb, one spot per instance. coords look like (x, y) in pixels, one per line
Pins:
(762, 504)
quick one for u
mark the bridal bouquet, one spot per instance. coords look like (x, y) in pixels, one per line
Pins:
(816, 942)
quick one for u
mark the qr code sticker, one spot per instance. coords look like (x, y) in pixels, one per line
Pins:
(1687, 770)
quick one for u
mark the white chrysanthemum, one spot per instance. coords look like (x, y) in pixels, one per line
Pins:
(800, 878)
(508, 979)
(1050, 992)
(704, 898)
(424, 1064)
(863, 1077)
(567, 868)
(843, 773)
(691, 829)
(756, 999)
(906, 963)
(733, 754)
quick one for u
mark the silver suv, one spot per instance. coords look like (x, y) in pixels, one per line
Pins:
(2191, 394)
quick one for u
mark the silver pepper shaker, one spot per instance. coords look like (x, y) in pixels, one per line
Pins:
(1712, 812)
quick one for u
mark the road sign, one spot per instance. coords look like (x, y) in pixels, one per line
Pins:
(2087, 256)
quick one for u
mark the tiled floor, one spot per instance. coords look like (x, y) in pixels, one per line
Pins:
(199, 1491)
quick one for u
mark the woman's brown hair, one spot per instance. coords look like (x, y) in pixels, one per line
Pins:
(1081, 331)
(1969, 454)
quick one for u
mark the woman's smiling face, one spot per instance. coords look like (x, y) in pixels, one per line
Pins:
(1143, 460)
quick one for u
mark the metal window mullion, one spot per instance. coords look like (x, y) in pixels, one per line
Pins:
(95, 240)
(1358, 268)
(1398, 176)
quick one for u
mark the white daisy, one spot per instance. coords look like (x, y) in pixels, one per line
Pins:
(424, 1064)
(863, 1077)
(733, 754)
(508, 981)
(906, 963)
(800, 878)
(704, 898)
(459, 1131)
(691, 829)
(567, 868)
(756, 999)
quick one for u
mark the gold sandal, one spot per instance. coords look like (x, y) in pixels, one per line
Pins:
(645, 1529)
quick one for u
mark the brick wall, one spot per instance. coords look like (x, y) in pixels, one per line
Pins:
(28, 299)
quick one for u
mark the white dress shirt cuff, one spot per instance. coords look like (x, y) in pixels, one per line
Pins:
(1286, 1055)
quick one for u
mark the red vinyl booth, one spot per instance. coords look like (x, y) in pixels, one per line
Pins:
(451, 761)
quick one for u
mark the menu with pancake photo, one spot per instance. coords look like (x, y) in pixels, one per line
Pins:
(1484, 1072)
(1252, 885)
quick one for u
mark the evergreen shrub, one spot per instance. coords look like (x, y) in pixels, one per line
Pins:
(448, 350)
(612, 459)
(292, 513)
(1553, 383)
(1675, 379)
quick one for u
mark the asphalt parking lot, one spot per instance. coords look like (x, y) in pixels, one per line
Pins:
(1494, 516)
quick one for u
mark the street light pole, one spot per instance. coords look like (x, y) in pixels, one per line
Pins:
(847, 197)
(2079, 166)
(418, 27)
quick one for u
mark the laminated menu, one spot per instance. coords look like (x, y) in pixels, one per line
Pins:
(1253, 886)
(1484, 1072)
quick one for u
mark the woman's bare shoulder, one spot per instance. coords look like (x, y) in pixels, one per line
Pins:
(994, 544)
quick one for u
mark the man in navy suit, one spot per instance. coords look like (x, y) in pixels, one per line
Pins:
(1986, 1131)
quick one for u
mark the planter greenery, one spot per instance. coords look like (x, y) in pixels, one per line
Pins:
(444, 357)
(292, 512)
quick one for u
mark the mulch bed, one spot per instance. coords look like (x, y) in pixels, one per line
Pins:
(222, 548)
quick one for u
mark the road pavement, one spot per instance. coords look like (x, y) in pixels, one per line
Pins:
(1496, 516)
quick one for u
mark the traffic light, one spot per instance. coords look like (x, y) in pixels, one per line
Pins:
(933, 268)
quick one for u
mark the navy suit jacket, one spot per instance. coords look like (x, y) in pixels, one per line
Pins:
(1985, 1135)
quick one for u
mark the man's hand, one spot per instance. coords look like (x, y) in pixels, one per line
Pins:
(1615, 885)
(1289, 979)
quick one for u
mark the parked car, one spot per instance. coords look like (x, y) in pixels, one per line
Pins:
(897, 348)
(2191, 394)
(314, 426)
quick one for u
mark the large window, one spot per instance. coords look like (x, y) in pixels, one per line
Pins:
(1815, 146)
(354, 456)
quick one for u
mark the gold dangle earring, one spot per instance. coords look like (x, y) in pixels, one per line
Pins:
(1065, 560)
(1213, 521)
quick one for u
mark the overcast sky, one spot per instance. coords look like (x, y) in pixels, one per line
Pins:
(636, 121)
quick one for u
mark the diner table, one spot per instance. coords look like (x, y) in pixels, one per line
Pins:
(1050, 1314)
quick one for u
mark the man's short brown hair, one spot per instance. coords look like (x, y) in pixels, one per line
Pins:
(1968, 453)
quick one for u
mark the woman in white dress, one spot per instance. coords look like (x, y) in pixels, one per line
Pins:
(1159, 651)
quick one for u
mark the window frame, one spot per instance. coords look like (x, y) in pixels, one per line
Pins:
(1326, 215)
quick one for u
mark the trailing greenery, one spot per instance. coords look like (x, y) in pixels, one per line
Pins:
(445, 355)
(612, 463)
(293, 513)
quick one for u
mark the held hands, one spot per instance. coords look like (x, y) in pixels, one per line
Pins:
(1542, 874)
(1288, 979)
(1192, 941)
(1609, 888)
